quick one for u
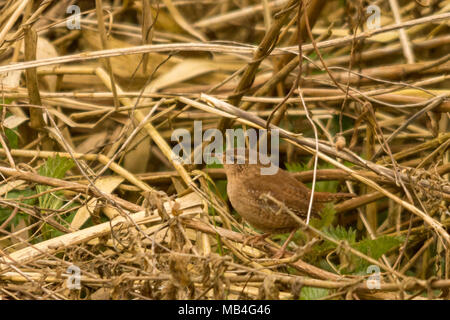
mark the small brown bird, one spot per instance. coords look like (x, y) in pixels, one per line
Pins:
(247, 186)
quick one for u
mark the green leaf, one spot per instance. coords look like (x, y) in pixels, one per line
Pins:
(340, 233)
(13, 138)
(296, 167)
(310, 293)
(52, 232)
(216, 164)
(15, 194)
(327, 216)
(5, 101)
(376, 248)
(54, 167)
(350, 263)
(222, 188)
(11, 135)
(322, 186)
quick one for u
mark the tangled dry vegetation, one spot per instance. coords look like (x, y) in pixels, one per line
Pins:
(89, 183)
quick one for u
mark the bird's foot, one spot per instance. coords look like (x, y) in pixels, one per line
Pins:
(280, 253)
(252, 240)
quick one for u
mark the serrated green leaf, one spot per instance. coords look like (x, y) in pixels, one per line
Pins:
(327, 216)
(340, 233)
(54, 167)
(350, 263)
(375, 248)
(310, 293)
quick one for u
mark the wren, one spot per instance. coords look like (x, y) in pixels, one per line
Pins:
(246, 189)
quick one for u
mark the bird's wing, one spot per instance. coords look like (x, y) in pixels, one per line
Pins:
(285, 188)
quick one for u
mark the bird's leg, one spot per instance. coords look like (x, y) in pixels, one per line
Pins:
(280, 253)
(252, 240)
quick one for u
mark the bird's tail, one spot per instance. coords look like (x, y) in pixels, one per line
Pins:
(330, 197)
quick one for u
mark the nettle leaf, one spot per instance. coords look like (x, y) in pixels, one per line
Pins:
(350, 263)
(340, 233)
(17, 194)
(376, 248)
(326, 186)
(327, 216)
(54, 167)
(310, 293)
